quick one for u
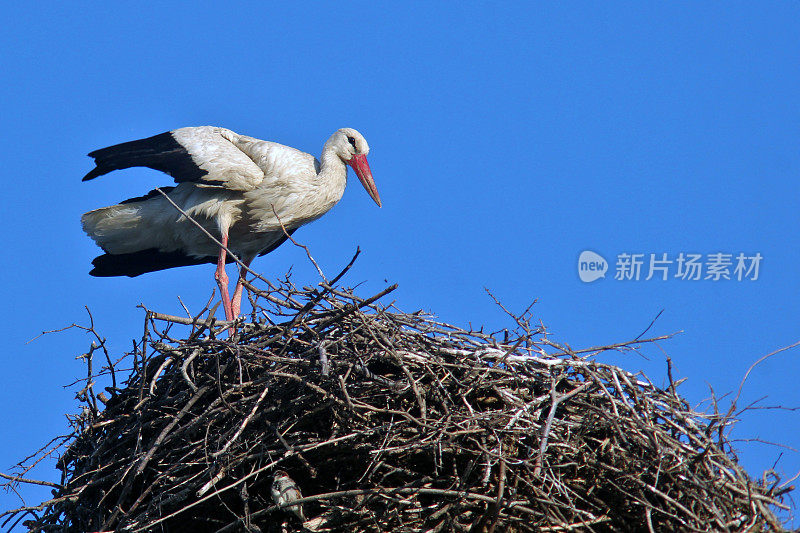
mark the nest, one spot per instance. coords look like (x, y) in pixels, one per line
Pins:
(387, 421)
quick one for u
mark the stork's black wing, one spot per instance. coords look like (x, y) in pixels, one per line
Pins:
(137, 263)
(151, 260)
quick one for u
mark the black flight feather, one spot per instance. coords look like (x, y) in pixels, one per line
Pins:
(141, 262)
(147, 196)
(160, 152)
(151, 260)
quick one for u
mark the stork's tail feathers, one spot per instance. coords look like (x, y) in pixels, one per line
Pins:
(115, 228)
(118, 230)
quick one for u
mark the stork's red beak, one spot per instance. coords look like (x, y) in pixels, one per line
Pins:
(361, 168)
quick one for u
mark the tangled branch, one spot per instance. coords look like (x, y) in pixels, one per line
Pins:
(386, 420)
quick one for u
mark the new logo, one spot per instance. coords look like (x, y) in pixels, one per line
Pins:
(591, 266)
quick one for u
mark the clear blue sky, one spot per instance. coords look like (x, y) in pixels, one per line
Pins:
(504, 142)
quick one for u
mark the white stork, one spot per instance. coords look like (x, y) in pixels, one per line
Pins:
(242, 190)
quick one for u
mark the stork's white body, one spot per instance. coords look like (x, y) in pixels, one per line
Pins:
(246, 192)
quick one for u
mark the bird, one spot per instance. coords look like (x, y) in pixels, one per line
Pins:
(285, 490)
(249, 194)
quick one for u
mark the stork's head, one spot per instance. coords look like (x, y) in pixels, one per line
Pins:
(352, 147)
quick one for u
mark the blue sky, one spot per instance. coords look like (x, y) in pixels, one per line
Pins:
(505, 140)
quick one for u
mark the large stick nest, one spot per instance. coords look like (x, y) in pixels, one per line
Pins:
(388, 421)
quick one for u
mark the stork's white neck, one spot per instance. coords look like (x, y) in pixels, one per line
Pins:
(332, 176)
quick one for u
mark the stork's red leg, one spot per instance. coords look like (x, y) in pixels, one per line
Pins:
(222, 279)
(236, 301)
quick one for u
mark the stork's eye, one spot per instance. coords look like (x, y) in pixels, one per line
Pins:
(352, 141)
